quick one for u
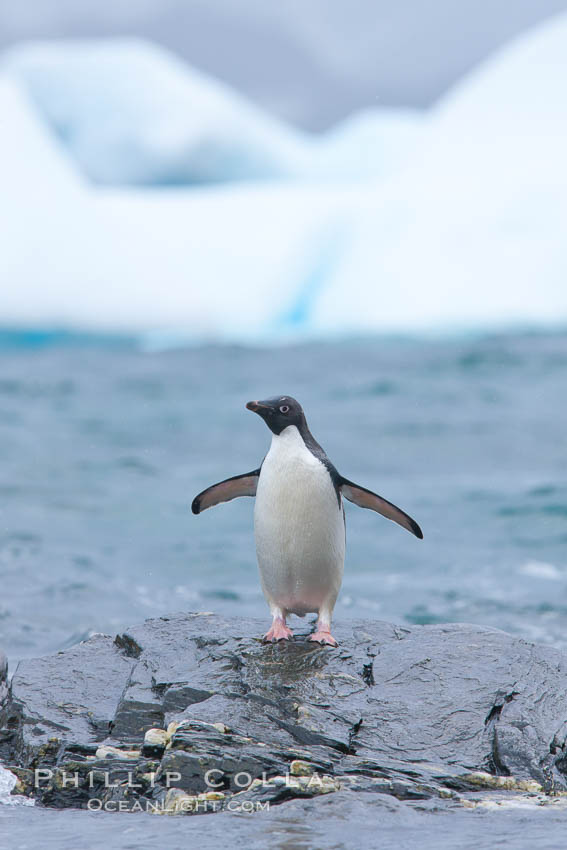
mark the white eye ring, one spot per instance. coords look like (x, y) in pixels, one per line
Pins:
(284, 408)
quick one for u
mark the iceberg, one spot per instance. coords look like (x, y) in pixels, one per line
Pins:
(213, 262)
(473, 234)
(130, 113)
(47, 218)
(140, 195)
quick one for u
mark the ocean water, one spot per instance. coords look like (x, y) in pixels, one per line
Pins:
(104, 444)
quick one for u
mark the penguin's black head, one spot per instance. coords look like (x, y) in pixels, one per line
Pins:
(279, 412)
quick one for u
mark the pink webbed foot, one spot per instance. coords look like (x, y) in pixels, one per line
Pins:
(324, 636)
(278, 631)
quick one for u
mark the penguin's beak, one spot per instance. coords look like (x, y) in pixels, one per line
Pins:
(259, 407)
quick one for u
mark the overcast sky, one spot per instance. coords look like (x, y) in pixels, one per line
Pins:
(310, 62)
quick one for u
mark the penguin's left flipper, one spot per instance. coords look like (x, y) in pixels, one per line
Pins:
(224, 491)
(367, 499)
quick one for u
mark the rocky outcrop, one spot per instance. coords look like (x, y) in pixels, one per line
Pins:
(3, 678)
(192, 713)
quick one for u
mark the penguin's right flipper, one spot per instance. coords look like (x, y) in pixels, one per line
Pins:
(224, 491)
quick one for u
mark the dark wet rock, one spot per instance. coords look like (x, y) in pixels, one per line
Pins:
(3, 676)
(66, 702)
(194, 713)
(3, 680)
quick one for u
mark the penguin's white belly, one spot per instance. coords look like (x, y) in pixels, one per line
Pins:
(299, 528)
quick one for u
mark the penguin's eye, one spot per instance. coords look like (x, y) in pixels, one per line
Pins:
(284, 408)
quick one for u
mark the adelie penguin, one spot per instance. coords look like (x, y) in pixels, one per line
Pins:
(299, 519)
